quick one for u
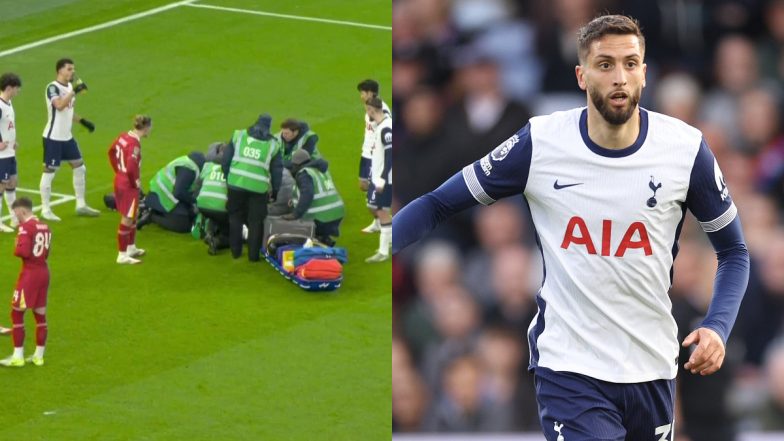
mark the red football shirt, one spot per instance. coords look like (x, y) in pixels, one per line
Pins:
(32, 245)
(125, 156)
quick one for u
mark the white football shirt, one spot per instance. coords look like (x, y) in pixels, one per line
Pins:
(367, 145)
(607, 223)
(59, 122)
(7, 128)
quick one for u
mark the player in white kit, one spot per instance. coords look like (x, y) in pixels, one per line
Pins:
(369, 89)
(608, 186)
(59, 143)
(10, 84)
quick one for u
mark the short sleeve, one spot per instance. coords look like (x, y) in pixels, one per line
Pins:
(708, 197)
(386, 137)
(502, 172)
(52, 92)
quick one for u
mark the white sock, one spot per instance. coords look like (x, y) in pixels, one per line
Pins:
(385, 239)
(377, 222)
(10, 197)
(19, 352)
(11, 212)
(79, 184)
(39, 351)
(46, 189)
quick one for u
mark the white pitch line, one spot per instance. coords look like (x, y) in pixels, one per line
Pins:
(291, 17)
(63, 199)
(32, 190)
(97, 27)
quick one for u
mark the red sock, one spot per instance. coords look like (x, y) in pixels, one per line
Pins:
(40, 329)
(132, 235)
(17, 318)
(123, 237)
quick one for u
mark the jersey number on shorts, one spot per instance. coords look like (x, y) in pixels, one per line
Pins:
(120, 158)
(41, 243)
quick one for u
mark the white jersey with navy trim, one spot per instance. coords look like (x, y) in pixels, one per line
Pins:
(367, 145)
(382, 142)
(7, 129)
(58, 122)
(608, 223)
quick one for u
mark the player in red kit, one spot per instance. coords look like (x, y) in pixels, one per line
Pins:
(32, 246)
(125, 156)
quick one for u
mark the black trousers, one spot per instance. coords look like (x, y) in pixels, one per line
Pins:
(247, 208)
(218, 226)
(179, 219)
(326, 229)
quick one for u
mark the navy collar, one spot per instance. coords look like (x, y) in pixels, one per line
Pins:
(614, 153)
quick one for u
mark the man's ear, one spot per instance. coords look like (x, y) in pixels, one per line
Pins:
(579, 72)
(644, 74)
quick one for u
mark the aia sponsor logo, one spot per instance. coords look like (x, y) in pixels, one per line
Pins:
(635, 237)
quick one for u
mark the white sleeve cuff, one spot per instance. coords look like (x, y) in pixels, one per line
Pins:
(721, 221)
(469, 176)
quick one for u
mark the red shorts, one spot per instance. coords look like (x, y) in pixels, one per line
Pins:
(31, 291)
(127, 201)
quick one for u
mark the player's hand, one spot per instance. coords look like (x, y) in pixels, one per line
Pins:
(79, 86)
(90, 126)
(16, 145)
(3, 145)
(708, 356)
(363, 184)
(139, 183)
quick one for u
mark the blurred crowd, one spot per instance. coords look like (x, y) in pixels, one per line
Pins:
(468, 74)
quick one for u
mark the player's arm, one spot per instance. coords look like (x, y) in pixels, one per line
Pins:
(59, 102)
(710, 202)
(132, 164)
(24, 245)
(87, 124)
(386, 143)
(495, 176)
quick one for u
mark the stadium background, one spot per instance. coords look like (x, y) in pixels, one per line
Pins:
(188, 346)
(466, 75)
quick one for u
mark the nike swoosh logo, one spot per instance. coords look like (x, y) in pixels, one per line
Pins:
(558, 187)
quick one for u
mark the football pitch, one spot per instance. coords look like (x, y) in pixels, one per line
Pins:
(189, 346)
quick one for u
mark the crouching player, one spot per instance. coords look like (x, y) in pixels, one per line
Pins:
(32, 246)
(125, 156)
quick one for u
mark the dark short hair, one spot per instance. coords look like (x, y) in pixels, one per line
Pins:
(291, 124)
(607, 25)
(368, 86)
(9, 80)
(24, 202)
(375, 102)
(62, 62)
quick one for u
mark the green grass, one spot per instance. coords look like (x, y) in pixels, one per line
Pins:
(188, 346)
